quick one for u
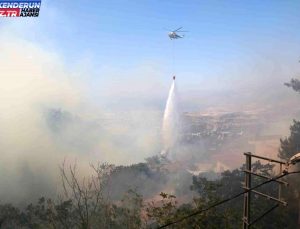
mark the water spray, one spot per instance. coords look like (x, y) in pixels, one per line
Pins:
(170, 128)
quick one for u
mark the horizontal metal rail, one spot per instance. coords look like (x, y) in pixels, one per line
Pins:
(267, 196)
(266, 177)
(265, 158)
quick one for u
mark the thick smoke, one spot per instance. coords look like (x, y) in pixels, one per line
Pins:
(31, 81)
(46, 119)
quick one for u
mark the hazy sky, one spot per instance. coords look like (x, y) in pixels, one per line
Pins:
(116, 37)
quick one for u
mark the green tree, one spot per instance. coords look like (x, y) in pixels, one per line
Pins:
(294, 84)
(289, 146)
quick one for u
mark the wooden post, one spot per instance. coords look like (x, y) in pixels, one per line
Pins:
(246, 216)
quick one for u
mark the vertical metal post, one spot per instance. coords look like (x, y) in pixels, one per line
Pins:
(280, 185)
(246, 216)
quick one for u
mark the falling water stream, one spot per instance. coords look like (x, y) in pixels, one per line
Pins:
(170, 127)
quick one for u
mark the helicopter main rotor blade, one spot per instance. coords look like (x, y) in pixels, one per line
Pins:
(182, 31)
(177, 29)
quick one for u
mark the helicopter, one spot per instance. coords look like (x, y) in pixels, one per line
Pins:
(173, 33)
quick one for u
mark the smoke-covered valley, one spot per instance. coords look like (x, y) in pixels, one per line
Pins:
(51, 112)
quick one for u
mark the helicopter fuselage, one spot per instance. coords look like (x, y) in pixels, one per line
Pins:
(174, 35)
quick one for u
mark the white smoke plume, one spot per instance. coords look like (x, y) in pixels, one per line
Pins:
(46, 118)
